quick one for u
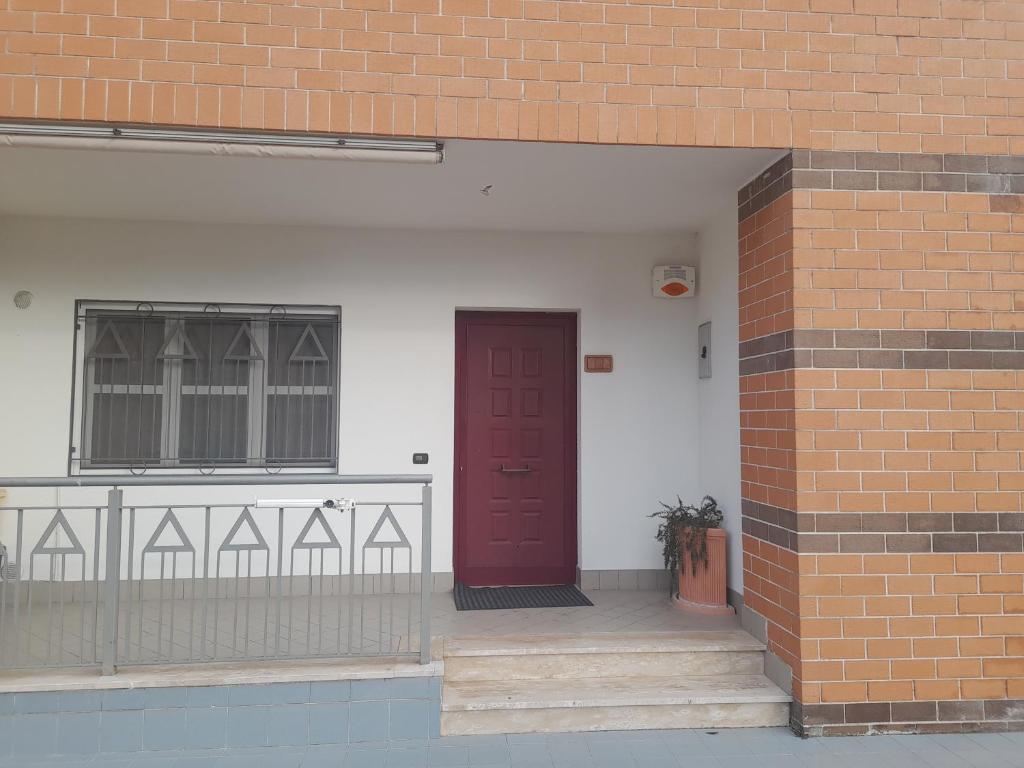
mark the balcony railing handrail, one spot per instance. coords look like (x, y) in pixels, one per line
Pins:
(282, 478)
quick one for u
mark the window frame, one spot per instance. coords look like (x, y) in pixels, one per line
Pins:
(81, 369)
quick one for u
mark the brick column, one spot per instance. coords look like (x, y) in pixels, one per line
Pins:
(767, 434)
(901, 386)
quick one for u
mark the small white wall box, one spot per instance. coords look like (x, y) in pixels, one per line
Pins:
(674, 281)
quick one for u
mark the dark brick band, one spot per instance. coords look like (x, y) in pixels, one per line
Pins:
(772, 524)
(907, 172)
(768, 187)
(884, 532)
(909, 532)
(972, 716)
(928, 350)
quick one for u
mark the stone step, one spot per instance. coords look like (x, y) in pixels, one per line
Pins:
(612, 703)
(650, 654)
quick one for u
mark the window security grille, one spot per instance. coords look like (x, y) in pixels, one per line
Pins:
(173, 386)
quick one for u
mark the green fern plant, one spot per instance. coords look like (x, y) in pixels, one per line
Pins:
(684, 527)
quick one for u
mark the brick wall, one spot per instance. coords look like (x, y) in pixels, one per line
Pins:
(767, 437)
(915, 75)
(906, 371)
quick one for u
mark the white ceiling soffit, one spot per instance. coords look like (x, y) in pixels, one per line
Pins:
(481, 185)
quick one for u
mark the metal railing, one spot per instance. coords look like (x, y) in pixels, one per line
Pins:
(126, 583)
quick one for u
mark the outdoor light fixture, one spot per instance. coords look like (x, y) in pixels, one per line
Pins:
(229, 143)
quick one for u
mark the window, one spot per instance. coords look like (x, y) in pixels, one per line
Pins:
(206, 386)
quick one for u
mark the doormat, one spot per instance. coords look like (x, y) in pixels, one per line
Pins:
(498, 598)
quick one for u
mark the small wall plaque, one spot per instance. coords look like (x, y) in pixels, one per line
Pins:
(598, 363)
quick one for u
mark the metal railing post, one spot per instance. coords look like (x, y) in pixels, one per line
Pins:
(426, 576)
(112, 581)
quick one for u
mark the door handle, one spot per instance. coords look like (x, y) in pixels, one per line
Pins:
(514, 471)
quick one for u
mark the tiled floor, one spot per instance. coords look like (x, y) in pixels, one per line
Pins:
(743, 748)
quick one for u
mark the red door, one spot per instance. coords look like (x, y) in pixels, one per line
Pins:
(515, 469)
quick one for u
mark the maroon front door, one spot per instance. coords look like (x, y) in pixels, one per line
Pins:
(515, 448)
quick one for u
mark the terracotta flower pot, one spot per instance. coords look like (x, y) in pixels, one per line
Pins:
(705, 591)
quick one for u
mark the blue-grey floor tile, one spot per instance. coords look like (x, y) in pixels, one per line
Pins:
(484, 755)
(330, 691)
(121, 731)
(208, 696)
(80, 701)
(652, 749)
(725, 743)
(406, 758)
(409, 688)
(370, 690)
(520, 753)
(126, 698)
(289, 726)
(78, 733)
(324, 757)
(34, 734)
(365, 758)
(530, 738)
(368, 720)
(448, 757)
(163, 729)
(205, 727)
(328, 723)
(410, 719)
(165, 698)
(36, 702)
(655, 762)
(154, 761)
(763, 761)
(6, 735)
(268, 694)
(247, 726)
(997, 742)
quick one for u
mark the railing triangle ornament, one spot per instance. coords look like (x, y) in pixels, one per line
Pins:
(314, 355)
(108, 333)
(188, 352)
(251, 350)
(259, 545)
(332, 540)
(169, 519)
(73, 547)
(387, 516)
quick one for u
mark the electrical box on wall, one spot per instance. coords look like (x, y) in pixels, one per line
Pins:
(704, 350)
(674, 281)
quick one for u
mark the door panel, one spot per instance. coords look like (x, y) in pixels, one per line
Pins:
(516, 446)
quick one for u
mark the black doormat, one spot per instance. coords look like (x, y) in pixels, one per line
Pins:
(498, 598)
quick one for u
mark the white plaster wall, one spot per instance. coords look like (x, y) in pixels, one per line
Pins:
(719, 396)
(639, 435)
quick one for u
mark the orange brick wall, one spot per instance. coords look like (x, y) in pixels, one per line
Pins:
(901, 391)
(767, 446)
(913, 75)
(916, 471)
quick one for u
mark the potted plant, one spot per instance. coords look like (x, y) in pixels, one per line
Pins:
(693, 547)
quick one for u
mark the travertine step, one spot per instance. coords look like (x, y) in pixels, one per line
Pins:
(552, 683)
(612, 703)
(652, 654)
